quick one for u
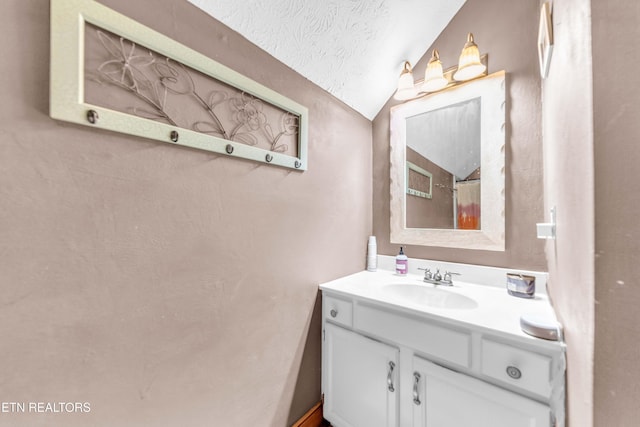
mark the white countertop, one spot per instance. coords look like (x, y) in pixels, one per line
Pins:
(496, 311)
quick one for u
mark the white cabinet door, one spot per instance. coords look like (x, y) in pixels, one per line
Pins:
(444, 398)
(359, 380)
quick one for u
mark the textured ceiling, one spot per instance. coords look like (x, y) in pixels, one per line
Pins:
(354, 49)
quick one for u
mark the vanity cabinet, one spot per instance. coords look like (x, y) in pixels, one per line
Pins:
(361, 380)
(442, 397)
(386, 366)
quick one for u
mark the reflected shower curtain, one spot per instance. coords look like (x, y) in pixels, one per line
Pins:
(468, 194)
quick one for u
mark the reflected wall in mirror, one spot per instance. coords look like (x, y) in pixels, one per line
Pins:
(456, 163)
(457, 138)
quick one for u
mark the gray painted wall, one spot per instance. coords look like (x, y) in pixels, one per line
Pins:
(616, 102)
(568, 175)
(167, 286)
(524, 193)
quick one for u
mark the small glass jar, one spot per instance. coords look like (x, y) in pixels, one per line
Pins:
(521, 285)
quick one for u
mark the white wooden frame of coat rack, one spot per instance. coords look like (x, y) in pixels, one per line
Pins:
(67, 89)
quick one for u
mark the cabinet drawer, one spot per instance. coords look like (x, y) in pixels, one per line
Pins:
(447, 398)
(520, 368)
(338, 310)
(447, 344)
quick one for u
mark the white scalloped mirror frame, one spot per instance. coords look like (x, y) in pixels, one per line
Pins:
(491, 236)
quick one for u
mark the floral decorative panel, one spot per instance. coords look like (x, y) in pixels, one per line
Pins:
(117, 74)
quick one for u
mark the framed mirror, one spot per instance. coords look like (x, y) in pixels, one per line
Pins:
(451, 143)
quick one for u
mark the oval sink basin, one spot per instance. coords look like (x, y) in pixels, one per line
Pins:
(432, 297)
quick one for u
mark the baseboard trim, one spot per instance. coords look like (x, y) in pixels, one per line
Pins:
(313, 417)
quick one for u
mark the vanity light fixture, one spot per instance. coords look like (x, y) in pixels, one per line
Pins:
(406, 88)
(470, 66)
(433, 76)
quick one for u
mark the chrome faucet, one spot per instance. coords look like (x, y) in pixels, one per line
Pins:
(447, 280)
(428, 275)
(437, 278)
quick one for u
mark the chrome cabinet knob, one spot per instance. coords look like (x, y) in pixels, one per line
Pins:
(514, 372)
(333, 312)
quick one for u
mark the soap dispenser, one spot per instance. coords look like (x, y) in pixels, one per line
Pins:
(401, 262)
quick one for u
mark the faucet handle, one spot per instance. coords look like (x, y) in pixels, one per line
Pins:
(447, 276)
(427, 273)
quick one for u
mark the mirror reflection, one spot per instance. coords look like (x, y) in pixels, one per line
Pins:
(447, 167)
(445, 159)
